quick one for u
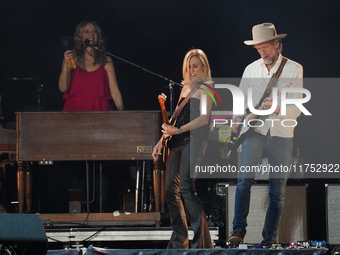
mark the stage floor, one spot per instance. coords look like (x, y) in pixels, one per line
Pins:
(91, 250)
(134, 238)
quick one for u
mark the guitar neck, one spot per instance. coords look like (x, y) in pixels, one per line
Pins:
(164, 114)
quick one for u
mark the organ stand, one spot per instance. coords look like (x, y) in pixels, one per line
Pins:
(97, 136)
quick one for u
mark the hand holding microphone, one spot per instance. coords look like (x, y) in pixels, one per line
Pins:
(71, 64)
(68, 55)
(67, 43)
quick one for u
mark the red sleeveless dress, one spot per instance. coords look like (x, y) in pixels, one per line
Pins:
(89, 91)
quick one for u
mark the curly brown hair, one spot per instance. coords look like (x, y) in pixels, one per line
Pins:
(99, 56)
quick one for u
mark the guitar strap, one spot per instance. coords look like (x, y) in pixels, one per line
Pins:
(272, 82)
(181, 106)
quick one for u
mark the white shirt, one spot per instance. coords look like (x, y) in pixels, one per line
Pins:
(257, 76)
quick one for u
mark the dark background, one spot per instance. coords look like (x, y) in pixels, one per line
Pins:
(157, 34)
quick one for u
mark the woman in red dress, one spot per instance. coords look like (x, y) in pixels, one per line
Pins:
(92, 83)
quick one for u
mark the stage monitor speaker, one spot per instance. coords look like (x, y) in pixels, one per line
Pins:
(23, 232)
(332, 213)
(293, 225)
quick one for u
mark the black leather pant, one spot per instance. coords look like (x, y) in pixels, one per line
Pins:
(180, 190)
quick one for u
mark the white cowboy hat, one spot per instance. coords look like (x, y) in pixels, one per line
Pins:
(263, 33)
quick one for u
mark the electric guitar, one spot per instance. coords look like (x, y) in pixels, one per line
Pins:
(237, 138)
(168, 141)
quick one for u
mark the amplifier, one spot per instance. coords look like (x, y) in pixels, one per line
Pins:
(293, 225)
(332, 213)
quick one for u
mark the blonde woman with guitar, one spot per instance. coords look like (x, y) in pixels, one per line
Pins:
(188, 129)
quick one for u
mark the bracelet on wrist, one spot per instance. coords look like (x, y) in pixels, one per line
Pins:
(180, 131)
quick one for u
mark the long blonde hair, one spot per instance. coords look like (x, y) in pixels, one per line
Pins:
(99, 57)
(206, 76)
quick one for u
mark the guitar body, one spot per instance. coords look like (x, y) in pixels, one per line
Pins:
(168, 143)
(237, 138)
(247, 128)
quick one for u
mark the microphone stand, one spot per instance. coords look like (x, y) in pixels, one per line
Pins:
(171, 82)
(171, 91)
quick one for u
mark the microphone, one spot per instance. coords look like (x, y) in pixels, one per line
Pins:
(67, 43)
(87, 44)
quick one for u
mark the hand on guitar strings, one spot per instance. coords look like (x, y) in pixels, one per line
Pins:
(267, 104)
(157, 150)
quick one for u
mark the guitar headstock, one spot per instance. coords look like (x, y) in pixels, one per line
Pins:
(162, 98)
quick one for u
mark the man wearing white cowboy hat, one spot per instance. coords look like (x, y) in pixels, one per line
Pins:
(269, 137)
